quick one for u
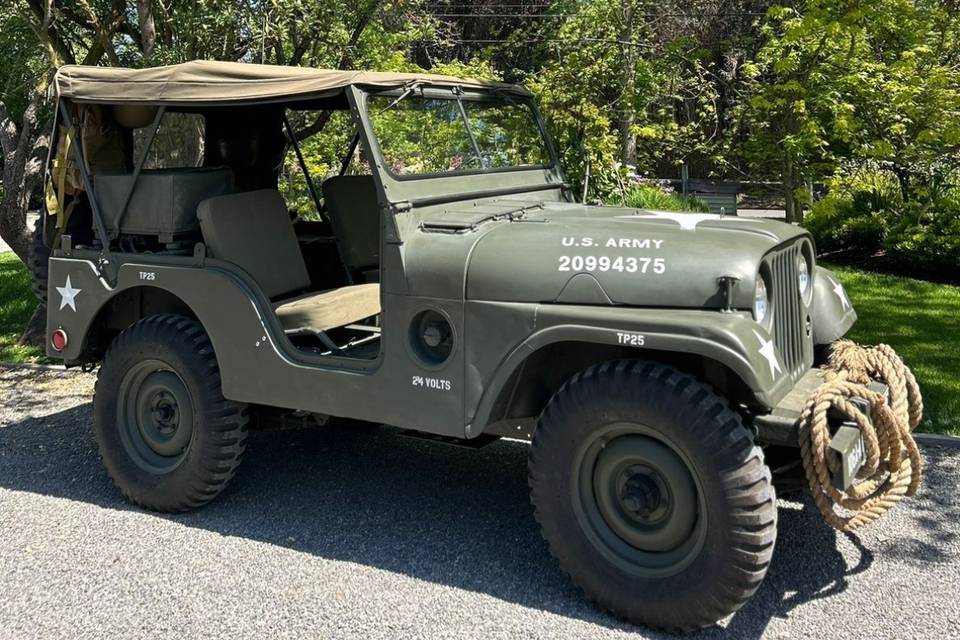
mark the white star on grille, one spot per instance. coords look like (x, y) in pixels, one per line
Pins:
(768, 351)
(840, 293)
(68, 295)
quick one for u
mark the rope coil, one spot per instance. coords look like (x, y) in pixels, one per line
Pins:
(893, 466)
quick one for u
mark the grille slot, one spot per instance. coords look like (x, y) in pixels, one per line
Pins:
(788, 331)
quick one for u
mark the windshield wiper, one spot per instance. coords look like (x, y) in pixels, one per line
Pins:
(408, 88)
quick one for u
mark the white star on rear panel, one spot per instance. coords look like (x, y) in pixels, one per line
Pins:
(68, 295)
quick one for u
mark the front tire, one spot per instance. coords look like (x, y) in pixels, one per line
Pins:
(38, 261)
(169, 439)
(652, 495)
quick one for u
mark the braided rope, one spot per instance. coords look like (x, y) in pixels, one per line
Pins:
(893, 466)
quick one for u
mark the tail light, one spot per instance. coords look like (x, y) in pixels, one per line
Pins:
(59, 340)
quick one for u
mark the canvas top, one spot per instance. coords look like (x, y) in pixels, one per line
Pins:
(203, 82)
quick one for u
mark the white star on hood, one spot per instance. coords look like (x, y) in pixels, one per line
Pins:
(768, 351)
(68, 295)
(689, 221)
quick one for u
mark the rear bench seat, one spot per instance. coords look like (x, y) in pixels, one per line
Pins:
(253, 231)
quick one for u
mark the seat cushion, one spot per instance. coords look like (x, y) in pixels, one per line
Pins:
(315, 312)
(253, 230)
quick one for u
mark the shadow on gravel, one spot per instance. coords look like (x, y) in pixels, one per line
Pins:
(446, 515)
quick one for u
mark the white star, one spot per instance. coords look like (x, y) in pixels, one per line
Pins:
(840, 293)
(688, 221)
(768, 351)
(68, 295)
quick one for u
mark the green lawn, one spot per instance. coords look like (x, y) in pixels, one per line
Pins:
(919, 319)
(17, 303)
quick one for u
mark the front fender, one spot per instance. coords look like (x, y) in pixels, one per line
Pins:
(833, 313)
(732, 339)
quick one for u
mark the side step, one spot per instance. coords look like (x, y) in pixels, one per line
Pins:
(467, 443)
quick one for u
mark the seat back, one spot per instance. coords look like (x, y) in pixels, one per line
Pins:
(164, 201)
(355, 215)
(253, 230)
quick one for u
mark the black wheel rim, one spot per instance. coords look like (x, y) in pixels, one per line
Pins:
(639, 500)
(155, 416)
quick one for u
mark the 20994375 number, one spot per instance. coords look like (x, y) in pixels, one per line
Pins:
(623, 264)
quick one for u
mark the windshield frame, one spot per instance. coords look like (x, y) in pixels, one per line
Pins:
(459, 96)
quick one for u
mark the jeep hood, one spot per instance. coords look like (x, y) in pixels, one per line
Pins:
(575, 254)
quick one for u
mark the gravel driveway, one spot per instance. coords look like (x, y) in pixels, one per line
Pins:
(368, 534)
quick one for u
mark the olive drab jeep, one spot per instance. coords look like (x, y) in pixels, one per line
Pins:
(436, 274)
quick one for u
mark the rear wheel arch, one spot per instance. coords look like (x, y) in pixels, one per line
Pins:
(125, 308)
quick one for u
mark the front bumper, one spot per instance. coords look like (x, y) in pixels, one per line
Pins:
(781, 427)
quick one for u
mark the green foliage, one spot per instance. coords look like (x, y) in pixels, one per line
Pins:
(858, 83)
(17, 303)
(856, 214)
(618, 93)
(22, 66)
(652, 197)
(869, 214)
(927, 240)
(919, 320)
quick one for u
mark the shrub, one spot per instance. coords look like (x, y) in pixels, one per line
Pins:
(927, 240)
(643, 196)
(920, 236)
(836, 224)
(857, 213)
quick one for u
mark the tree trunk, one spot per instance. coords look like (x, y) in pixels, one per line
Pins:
(789, 189)
(148, 28)
(35, 335)
(23, 154)
(627, 117)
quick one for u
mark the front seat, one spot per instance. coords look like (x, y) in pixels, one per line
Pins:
(253, 231)
(355, 216)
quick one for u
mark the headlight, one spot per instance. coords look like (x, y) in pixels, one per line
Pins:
(803, 274)
(760, 300)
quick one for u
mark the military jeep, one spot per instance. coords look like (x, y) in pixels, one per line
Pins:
(442, 279)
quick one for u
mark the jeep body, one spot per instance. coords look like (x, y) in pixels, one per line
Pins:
(495, 286)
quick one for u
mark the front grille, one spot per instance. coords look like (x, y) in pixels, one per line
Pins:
(789, 312)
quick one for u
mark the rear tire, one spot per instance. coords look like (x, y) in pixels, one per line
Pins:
(169, 439)
(37, 262)
(652, 495)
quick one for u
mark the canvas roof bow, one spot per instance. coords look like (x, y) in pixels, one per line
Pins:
(208, 82)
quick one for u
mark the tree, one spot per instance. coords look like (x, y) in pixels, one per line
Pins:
(838, 85)
(36, 36)
(794, 95)
(22, 139)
